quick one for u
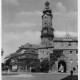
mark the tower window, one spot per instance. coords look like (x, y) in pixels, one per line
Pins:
(71, 52)
(71, 60)
(77, 60)
(45, 17)
(45, 23)
(76, 52)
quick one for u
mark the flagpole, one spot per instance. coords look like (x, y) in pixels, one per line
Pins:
(66, 27)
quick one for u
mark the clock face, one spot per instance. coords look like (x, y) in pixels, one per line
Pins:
(45, 19)
(45, 31)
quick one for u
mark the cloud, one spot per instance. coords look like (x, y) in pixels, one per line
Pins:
(28, 16)
(62, 20)
(14, 2)
(23, 24)
(32, 13)
(59, 33)
(12, 41)
(73, 34)
(60, 7)
(63, 33)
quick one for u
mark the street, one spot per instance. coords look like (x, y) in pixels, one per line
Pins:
(35, 76)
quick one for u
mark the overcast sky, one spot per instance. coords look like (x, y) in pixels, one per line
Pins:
(21, 21)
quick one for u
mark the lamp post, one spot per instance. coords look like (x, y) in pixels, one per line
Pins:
(30, 70)
(2, 52)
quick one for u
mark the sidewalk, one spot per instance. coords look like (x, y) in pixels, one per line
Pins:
(22, 75)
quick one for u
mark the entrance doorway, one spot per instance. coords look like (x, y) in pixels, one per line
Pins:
(62, 66)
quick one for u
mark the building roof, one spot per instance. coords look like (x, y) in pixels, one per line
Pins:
(34, 46)
(29, 45)
(66, 38)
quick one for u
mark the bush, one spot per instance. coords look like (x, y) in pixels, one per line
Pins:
(35, 65)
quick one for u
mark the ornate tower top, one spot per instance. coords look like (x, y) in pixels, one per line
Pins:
(47, 4)
(47, 34)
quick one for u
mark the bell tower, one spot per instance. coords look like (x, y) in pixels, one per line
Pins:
(47, 29)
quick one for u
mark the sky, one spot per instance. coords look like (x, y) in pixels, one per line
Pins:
(22, 22)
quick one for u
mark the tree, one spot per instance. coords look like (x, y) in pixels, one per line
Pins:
(8, 63)
(54, 57)
(45, 65)
(34, 65)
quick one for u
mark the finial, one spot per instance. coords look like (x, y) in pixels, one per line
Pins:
(47, 4)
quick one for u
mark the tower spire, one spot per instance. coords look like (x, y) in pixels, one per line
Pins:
(47, 5)
(47, 34)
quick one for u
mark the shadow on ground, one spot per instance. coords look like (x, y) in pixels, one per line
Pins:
(74, 77)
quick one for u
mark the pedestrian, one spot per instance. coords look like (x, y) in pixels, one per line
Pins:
(71, 72)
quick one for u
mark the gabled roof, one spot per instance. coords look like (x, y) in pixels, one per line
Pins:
(66, 38)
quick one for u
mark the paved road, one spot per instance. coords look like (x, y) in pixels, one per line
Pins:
(34, 76)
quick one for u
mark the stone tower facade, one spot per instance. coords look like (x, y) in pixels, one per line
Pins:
(47, 29)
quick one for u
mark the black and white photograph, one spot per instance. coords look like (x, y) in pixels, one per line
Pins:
(39, 40)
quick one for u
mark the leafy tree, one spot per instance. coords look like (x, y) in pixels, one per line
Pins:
(54, 57)
(45, 65)
(34, 64)
(8, 63)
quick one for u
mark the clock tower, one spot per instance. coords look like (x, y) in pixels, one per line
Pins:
(47, 28)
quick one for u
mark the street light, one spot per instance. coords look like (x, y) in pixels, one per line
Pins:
(30, 70)
(2, 52)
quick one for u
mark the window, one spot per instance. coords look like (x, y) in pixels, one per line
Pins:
(61, 43)
(71, 52)
(69, 44)
(71, 60)
(45, 31)
(47, 53)
(76, 52)
(45, 23)
(41, 58)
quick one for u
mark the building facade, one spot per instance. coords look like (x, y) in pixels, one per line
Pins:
(66, 47)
